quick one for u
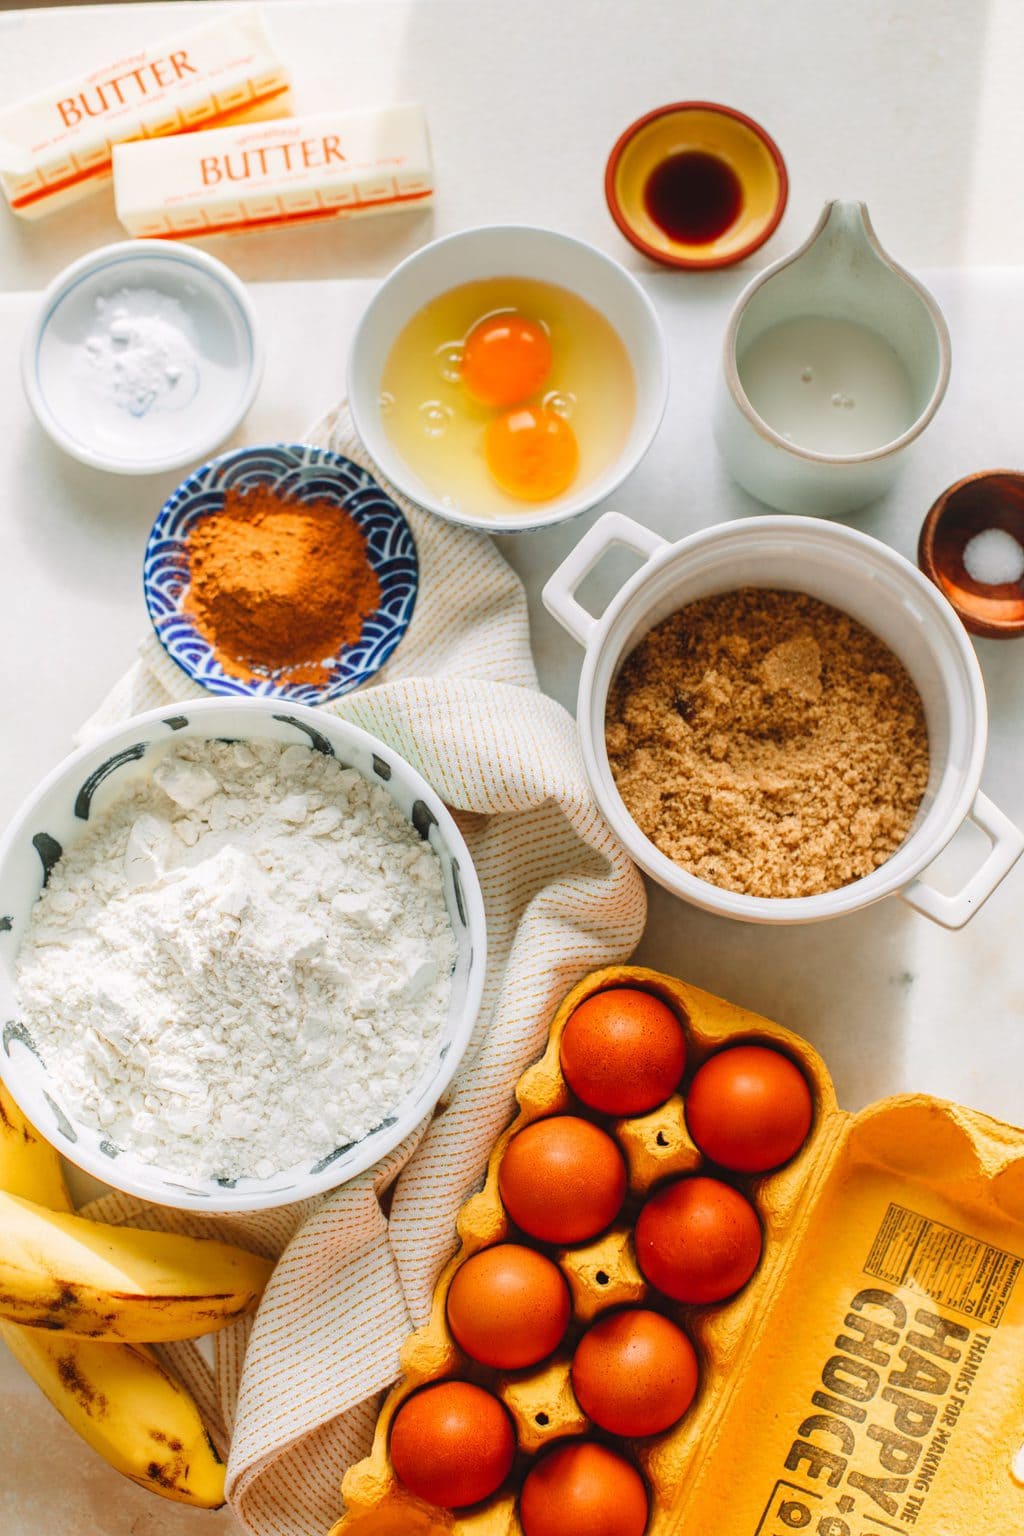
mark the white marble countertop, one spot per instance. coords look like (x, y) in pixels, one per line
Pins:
(914, 109)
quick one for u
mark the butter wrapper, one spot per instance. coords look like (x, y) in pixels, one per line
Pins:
(57, 146)
(333, 165)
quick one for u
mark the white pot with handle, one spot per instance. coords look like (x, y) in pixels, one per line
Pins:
(876, 586)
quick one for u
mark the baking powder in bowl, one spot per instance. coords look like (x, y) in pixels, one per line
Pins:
(243, 965)
(139, 355)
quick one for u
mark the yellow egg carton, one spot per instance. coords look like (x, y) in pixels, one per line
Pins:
(868, 1380)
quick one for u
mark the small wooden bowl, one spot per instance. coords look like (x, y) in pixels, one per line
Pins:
(991, 499)
(727, 135)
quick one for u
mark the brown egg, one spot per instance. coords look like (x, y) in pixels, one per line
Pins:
(563, 1180)
(634, 1373)
(583, 1489)
(452, 1444)
(698, 1240)
(623, 1051)
(508, 1306)
(749, 1108)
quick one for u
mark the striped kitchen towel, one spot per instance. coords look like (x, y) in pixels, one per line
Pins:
(294, 1394)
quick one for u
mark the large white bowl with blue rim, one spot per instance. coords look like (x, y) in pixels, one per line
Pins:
(297, 472)
(60, 811)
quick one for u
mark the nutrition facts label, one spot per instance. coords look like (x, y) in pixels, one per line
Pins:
(956, 1270)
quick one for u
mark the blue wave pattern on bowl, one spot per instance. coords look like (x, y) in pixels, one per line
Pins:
(296, 472)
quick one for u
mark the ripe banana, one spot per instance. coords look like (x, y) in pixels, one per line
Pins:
(118, 1397)
(29, 1166)
(94, 1281)
(121, 1400)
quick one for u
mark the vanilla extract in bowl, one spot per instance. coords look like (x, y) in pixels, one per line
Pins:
(693, 197)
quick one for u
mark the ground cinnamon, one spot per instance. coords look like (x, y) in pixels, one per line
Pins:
(278, 587)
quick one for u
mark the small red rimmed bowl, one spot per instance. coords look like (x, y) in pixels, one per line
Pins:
(741, 169)
(990, 501)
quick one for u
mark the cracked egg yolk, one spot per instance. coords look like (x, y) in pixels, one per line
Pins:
(531, 453)
(506, 358)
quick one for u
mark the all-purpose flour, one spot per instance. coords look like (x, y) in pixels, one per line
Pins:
(243, 964)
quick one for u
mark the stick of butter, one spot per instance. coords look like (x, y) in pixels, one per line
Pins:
(334, 165)
(56, 147)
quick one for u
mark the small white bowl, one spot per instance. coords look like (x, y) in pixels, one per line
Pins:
(58, 813)
(509, 251)
(133, 406)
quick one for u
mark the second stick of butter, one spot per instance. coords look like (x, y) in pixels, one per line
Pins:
(302, 168)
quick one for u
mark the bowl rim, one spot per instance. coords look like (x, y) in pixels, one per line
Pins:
(221, 1201)
(987, 629)
(330, 460)
(118, 253)
(694, 263)
(391, 461)
(772, 910)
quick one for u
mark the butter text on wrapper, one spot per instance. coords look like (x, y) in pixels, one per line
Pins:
(307, 155)
(58, 145)
(334, 165)
(119, 92)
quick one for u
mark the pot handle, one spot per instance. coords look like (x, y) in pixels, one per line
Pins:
(558, 595)
(1007, 846)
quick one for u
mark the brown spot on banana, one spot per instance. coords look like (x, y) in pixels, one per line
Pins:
(173, 1444)
(18, 1305)
(173, 1488)
(172, 1298)
(25, 1131)
(172, 1475)
(93, 1402)
(164, 1477)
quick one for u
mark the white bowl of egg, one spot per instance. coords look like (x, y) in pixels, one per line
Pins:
(508, 377)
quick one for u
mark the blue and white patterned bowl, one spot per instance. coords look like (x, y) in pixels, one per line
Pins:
(299, 473)
(58, 813)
